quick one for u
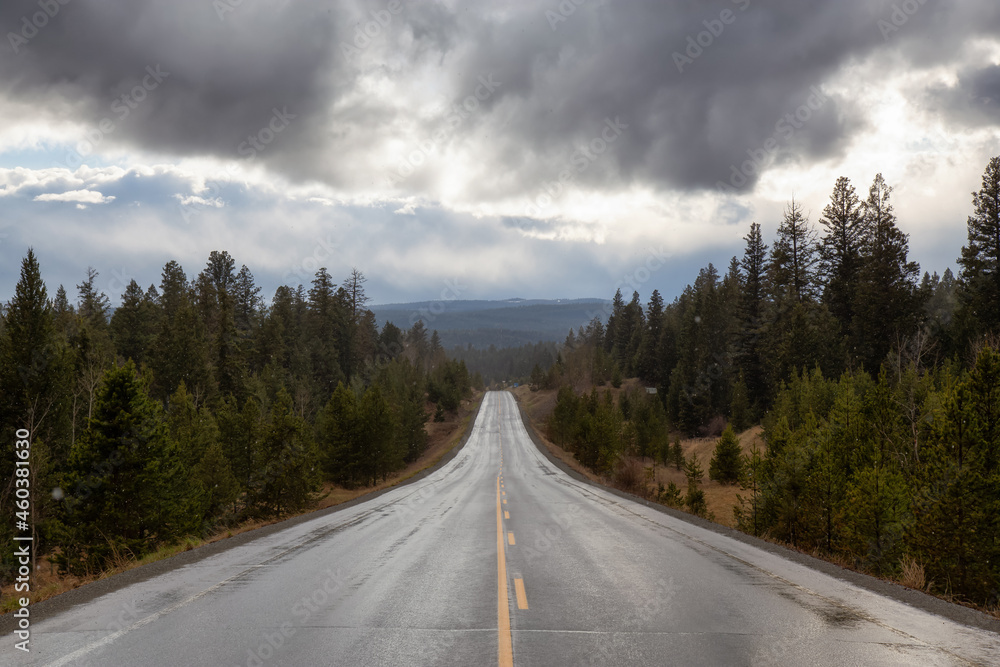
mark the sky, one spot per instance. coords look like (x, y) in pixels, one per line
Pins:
(479, 149)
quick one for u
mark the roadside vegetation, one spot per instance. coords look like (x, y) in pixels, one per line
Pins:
(193, 409)
(875, 394)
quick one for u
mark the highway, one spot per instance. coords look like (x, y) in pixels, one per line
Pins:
(497, 558)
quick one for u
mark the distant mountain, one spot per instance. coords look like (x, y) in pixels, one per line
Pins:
(507, 323)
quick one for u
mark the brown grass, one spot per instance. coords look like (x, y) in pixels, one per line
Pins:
(912, 574)
(720, 498)
(46, 582)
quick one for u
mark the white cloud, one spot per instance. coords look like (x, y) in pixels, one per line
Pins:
(81, 196)
(195, 200)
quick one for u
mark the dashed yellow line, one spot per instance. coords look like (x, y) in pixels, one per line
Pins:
(506, 514)
(505, 648)
(522, 597)
(510, 539)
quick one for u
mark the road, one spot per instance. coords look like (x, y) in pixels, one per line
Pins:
(497, 558)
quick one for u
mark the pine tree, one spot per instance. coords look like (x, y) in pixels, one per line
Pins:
(793, 258)
(885, 308)
(379, 451)
(751, 361)
(289, 466)
(354, 285)
(615, 321)
(218, 485)
(677, 455)
(328, 335)
(133, 324)
(980, 260)
(241, 434)
(840, 251)
(94, 305)
(695, 498)
(649, 362)
(179, 352)
(740, 412)
(337, 437)
(404, 386)
(248, 304)
(726, 464)
(32, 397)
(30, 368)
(126, 485)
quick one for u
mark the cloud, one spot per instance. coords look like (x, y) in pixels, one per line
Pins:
(699, 84)
(973, 99)
(195, 200)
(81, 196)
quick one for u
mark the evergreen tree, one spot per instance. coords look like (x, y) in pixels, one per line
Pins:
(726, 464)
(179, 351)
(133, 325)
(695, 498)
(677, 455)
(248, 304)
(94, 305)
(792, 266)
(379, 452)
(337, 437)
(328, 334)
(840, 251)
(354, 286)
(886, 308)
(32, 397)
(980, 260)
(289, 468)
(751, 359)
(218, 485)
(650, 359)
(128, 484)
(390, 341)
(31, 373)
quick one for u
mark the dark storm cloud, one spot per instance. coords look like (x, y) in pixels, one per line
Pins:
(701, 86)
(974, 99)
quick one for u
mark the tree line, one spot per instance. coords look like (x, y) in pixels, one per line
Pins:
(194, 405)
(878, 389)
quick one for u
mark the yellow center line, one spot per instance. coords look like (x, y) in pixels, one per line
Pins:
(510, 539)
(504, 501)
(506, 514)
(522, 597)
(505, 649)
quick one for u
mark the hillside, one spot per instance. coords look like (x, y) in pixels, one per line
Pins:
(507, 323)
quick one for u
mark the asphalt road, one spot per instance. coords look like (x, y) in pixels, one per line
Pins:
(500, 558)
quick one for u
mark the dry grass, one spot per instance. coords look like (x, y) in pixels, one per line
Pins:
(46, 582)
(912, 574)
(720, 498)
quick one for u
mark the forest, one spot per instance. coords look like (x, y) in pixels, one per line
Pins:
(878, 389)
(193, 406)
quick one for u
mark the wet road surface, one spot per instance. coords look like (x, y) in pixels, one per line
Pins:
(498, 557)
